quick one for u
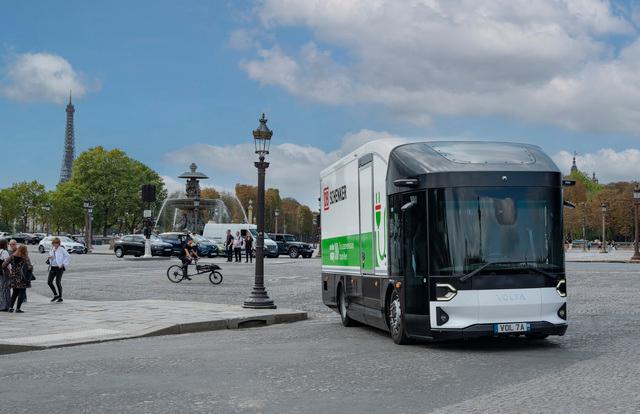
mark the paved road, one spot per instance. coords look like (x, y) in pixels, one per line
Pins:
(318, 366)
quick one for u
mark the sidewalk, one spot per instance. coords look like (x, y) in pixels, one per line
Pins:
(616, 256)
(74, 322)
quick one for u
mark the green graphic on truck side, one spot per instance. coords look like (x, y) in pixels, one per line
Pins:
(380, 226)
(345, 251)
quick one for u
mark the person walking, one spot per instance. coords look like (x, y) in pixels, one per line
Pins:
(5, 287)
(248, 247)
(19, 276)
(13, 247)
(58, 261)
(228, 245)
(237, 247)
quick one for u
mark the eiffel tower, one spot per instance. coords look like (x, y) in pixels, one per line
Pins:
(69, 144)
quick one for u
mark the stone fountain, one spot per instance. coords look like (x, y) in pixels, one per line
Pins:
(188, 211)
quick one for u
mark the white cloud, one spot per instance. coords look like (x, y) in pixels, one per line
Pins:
(609, 165)
(295, 169)
(240, 40)
(543, 61)
(171, 184)
(41, 77)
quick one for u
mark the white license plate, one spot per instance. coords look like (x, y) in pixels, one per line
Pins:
(511, 327)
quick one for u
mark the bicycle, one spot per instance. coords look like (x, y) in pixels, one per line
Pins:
(175, 274)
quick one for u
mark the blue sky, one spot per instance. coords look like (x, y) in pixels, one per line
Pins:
(170, 82)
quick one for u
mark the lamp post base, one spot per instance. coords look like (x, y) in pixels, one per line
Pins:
(259, 299)
(635, 258)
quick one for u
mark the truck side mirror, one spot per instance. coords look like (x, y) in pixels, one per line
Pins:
(406, 182)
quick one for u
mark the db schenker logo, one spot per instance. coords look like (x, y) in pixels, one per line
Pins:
(333, 196)
(325, 193)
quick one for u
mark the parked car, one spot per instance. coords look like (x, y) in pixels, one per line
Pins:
(24, 238)
(206, 247)
(133, 244)
(4, 235)
(40, 236)
(270, 246)
(70, 245)
(287, 244)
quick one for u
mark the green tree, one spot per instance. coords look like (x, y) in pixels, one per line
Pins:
(29, 197)
(67, 213)
(272, 202)
(112, 181)
(9, 209)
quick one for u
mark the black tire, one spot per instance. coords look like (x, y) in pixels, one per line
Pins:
(536, 336)
(293, 253)
(118, 251)
(395, 320)
(174, 273)
(41, 249)
(342, 308)
(215, 278)
(137, 255)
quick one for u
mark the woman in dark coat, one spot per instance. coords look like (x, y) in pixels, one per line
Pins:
(5, 287)
(19, 276)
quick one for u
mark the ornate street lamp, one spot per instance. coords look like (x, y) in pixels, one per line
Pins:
(88, 208)
(636, 207)
(603, 206)
(196, 212)
(259, 299)
(276, 213)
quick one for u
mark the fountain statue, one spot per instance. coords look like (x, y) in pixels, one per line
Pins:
(188, 211)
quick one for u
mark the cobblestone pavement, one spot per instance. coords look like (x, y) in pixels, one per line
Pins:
(319, 366)
(619, 255)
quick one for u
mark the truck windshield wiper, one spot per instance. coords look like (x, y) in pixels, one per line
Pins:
(526, 266)
(479, 269)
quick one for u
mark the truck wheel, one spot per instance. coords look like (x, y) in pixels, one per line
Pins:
(394, 320)
(293, 253)
(41, 249)
(342, 308)
(119, 252)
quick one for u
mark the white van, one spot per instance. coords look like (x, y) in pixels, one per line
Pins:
(217, 233)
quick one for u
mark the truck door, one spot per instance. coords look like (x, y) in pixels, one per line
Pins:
(414, 252)
(365, 189)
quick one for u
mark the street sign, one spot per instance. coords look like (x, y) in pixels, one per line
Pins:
(147, 214)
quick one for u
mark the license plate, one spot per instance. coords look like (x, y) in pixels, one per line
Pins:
(511, 327)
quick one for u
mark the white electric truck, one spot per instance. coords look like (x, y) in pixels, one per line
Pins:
(445, 240)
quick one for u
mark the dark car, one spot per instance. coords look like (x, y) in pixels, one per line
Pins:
(133, 244)
(206, 248)
(24, 238)
(287, 244)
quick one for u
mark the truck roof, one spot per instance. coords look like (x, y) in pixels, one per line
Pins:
(468, 156)
(419, 156)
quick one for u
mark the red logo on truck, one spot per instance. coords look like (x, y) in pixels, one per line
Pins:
(325, 192)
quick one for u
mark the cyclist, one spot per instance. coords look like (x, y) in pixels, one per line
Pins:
(187, 253)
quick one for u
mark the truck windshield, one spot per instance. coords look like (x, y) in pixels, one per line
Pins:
(485, 229)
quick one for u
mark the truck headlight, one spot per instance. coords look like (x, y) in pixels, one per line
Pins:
(445, 291)
(561, 288)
